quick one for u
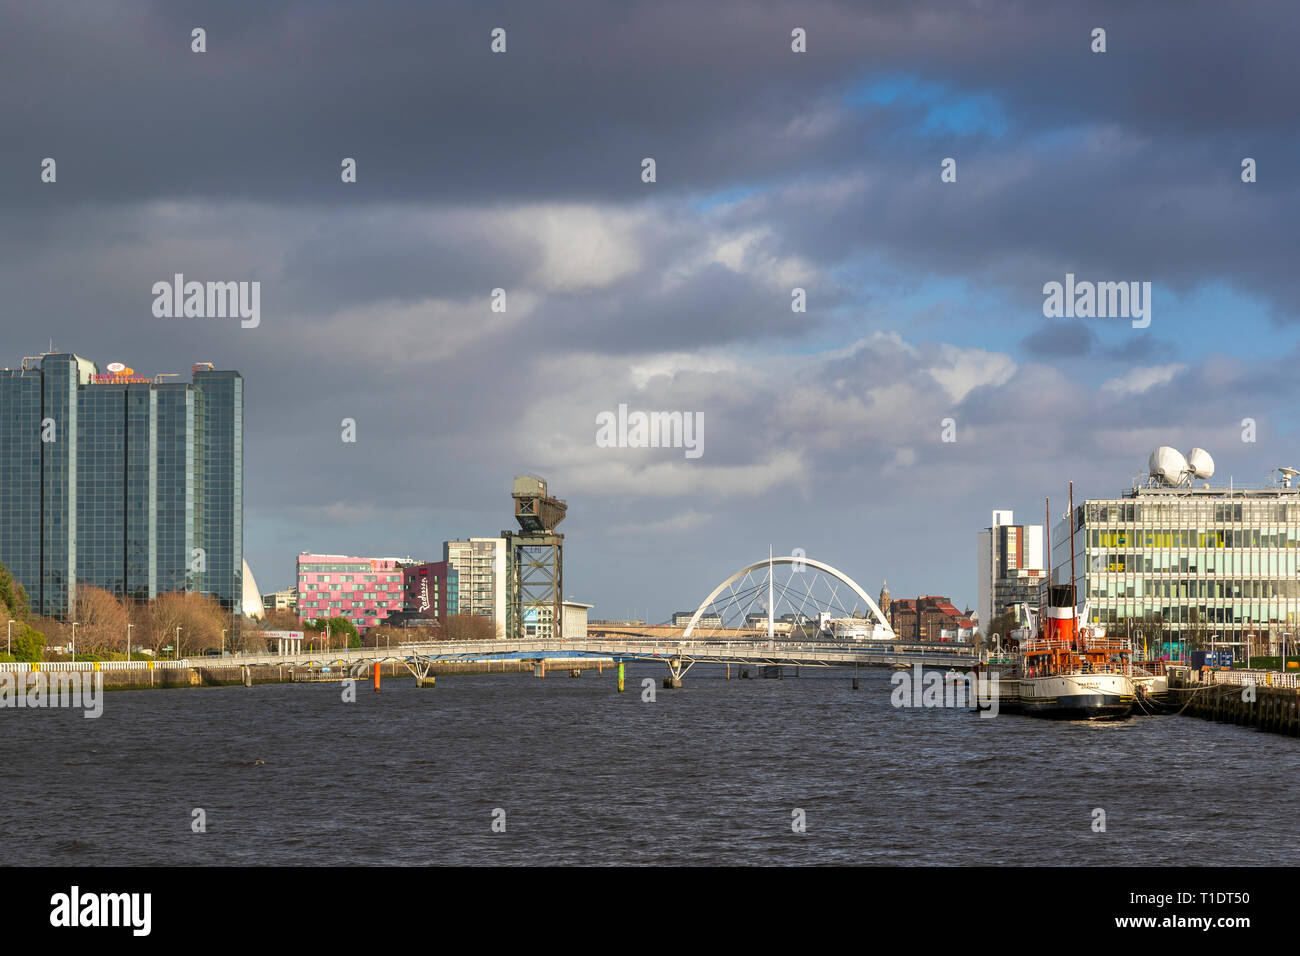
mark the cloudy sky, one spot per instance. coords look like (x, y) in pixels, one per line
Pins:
(775, 170)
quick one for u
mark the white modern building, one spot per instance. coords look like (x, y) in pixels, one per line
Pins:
(1213, 567)
(575, 621)
(481, 568)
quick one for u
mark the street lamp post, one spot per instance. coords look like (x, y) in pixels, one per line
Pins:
(10, 629)
(128, 640)
(74, 641)
(223, 641)
(176, 648)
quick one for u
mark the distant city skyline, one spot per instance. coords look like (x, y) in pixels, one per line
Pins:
(923, 385)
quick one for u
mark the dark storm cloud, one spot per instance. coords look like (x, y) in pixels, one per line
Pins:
(586, 89)
(1127, 160)
(225, 165)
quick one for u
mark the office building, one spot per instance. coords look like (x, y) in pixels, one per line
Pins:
(286, 600)
(1010, 566)
(120, 481)
(574, 626)
(480, 565)
(1213, 567)
(363, 590)
(431, 592)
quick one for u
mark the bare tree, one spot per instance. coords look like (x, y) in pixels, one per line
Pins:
(200, 619)
(282, 619)
(101, 621)
(466, 627)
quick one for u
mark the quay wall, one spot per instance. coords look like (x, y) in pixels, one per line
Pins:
(1235, 697)
(235, 675)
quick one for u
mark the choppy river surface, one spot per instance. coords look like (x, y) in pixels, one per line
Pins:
(715, 773)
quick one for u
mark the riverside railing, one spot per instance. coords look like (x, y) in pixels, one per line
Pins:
(1258, 678)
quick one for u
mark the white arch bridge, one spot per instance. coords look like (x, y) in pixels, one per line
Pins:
(805, 592)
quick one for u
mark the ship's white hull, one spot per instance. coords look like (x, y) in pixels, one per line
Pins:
(1068, 696)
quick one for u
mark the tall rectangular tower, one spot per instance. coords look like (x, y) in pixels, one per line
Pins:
(1010, 563)
(120, 482)
(480, 565)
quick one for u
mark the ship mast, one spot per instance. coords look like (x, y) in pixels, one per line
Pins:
(1043, 606)
(1074, 595)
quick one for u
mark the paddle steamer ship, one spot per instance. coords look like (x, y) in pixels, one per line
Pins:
(1062, 667)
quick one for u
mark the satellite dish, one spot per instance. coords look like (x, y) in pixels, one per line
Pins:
(1287, 475)
(1168, 466)
(1201, 463)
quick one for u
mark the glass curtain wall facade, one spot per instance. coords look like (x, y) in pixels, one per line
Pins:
(1216, 566)
(120, 482)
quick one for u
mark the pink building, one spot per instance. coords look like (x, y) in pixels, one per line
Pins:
(364, 590)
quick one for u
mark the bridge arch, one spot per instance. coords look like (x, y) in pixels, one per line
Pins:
(798, 560)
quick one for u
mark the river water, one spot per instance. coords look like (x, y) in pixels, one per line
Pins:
(710, 774)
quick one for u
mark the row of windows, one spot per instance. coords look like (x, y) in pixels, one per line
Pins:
(1188, 511)
(1221, 589)
(367, 595)
(1266, 563)
(339, 604)
(307, 578)
(1243, 615)
(1268, 537)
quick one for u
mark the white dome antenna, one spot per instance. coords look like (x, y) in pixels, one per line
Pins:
(1200, 462)
(1168, 466)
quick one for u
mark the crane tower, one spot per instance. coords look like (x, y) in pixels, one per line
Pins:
(535, 576)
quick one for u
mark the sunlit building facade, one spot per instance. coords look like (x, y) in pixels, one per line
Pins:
(1218, 566)
(120, 481)
(480, 565)
(1009, 563)
(363, 590)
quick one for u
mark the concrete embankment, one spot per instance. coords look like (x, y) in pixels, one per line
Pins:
(235, 675)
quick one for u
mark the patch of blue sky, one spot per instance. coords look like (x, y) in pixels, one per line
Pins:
(724, 197)
(936, 109)
(1213, 318)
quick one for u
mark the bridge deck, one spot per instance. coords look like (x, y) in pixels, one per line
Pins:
(719, 652)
